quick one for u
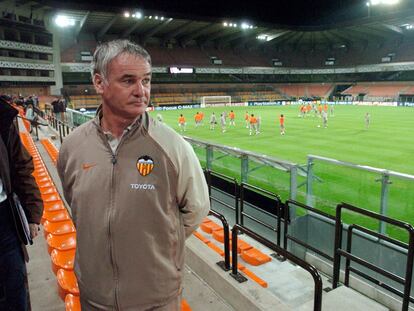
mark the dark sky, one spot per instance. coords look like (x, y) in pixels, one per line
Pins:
(293, 12)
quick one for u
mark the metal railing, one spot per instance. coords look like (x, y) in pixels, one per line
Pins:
(61, 127)
(317, 302)
(247, 165)
(388, 190)
(225, 265)
(277, 205)
(209, 175)
(338, 252)
(289, 204)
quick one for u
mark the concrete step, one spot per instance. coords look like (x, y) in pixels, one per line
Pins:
(345, 299)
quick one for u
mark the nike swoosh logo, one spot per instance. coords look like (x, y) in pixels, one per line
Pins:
(88, 166)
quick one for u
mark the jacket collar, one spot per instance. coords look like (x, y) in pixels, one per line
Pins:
(141, 122)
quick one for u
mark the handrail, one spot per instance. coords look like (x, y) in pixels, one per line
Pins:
(270, 196)
(317, 303)
(209, 173)
(226, 264)
(338, 252)
(302, 243)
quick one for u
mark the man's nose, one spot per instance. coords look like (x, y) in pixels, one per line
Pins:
(139, 89)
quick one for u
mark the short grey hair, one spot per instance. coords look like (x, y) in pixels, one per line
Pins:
(109, 50)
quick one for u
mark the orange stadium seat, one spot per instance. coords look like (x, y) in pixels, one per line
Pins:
(43, 180)
(255, 257)
(242, 246)
(55, 215)
(185, 306)
(54, 197)
(209, 227)
(62, 259)
(67, 283)
(48, 190)
(53, 206)
(72, 303)
(218, 235)
(58, 228)
(61, 242)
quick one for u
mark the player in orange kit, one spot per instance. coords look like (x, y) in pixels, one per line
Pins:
(232, 116)
(181, 123)
(253, 124)
(282, 124)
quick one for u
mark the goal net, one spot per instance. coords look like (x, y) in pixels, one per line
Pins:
(210, 101)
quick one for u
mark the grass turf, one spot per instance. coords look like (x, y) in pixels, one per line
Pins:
(388, 143)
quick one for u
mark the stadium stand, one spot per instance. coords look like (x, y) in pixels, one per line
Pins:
(379, 91)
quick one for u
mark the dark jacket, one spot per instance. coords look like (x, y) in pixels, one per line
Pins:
(16, 166)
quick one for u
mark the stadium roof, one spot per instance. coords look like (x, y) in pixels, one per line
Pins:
(334, 24)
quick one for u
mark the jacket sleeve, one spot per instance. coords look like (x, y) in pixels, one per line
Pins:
(23, 183)
(65, 176)
(192, 191)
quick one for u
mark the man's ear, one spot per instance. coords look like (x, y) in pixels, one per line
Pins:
(98, 82)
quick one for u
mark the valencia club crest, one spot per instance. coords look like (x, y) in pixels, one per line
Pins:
(145, 164)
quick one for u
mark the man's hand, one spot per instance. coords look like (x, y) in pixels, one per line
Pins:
(34, 230)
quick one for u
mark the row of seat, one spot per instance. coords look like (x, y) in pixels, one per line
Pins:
(60, 235)
(58, 229)
(51, 149)
(247, 252)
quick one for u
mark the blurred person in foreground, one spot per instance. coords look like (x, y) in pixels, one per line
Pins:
(16, 168)
(136, 190)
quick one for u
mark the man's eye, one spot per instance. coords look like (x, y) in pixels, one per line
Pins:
(128, 81)
(146, 81)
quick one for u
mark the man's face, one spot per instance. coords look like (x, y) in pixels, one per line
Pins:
(126, 88)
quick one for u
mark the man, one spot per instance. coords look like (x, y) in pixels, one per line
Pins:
(136, 190)
(325, 119)
(16, 169)
(197, 119)
(213, 121)
(282, 124)
(232, 116)
(253, 124)
(367, 120)
(223, 122)
(181, 123)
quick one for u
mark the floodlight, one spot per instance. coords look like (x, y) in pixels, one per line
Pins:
(234, 25)
(64, 21)
(156, 17)
(225, 24)
(162, 18)
(126, 14)
(138, 15)
(150, 17)
(244, 26)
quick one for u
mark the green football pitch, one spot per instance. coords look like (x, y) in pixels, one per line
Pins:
(388, 143)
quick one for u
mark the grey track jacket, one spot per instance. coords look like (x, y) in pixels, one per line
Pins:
(133, 210)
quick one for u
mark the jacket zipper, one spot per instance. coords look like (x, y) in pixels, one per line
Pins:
(110, 215)
(111, 247)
